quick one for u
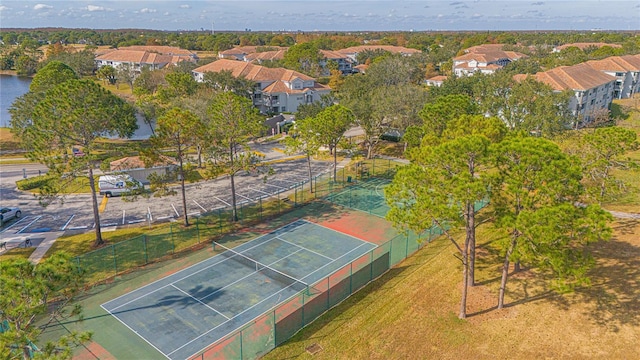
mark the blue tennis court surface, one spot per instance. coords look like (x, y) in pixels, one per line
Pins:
(184, 313)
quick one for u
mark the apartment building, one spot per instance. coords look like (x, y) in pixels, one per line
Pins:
(626, 70)
(485, 59)
(593, 89)
(277, 89)
(138, 57)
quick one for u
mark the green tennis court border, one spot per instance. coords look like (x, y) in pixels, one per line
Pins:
(201, 318)
(365, 195)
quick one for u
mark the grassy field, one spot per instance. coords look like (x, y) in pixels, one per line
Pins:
(411, 312)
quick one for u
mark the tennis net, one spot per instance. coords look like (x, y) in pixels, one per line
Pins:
(259, 267)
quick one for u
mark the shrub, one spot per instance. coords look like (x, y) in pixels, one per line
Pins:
(34, 182)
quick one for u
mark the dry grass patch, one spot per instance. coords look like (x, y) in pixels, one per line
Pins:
(410, 313)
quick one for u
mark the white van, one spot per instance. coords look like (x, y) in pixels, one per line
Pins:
(115, 185)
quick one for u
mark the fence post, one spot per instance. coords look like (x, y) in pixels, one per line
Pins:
(146, 254)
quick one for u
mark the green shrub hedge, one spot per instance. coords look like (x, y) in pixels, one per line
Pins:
(33, 183)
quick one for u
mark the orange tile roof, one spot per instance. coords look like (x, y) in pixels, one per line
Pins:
(617, 63)
(166, 50)
(576, 77)
(389, 48)
(135, 162)
(251, 71)
(438, 78)
(489, 55)
(583, 46)
(266, 55)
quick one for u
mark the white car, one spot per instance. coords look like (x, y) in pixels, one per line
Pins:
(8, 213)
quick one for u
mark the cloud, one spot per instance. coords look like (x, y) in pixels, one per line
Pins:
(42, 6)
(185, 6)
(147, 10)
(95, 8)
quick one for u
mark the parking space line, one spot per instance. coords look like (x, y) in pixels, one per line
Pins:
(16, 223)
(242, 196)
(29, 224)
(222, 201)
(67, 223)
(258, 190)
(289, 181)
(202, 207)
(279, 187)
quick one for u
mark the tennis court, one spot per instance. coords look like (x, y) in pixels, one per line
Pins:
(184, 313)
(366, 196)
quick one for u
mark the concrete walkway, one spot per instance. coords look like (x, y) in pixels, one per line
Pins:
(43, 247)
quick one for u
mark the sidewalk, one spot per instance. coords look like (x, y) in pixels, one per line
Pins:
(43, 247)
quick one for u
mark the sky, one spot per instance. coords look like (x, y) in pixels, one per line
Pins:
(324, 15)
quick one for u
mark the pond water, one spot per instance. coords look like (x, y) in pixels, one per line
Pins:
(11, 87)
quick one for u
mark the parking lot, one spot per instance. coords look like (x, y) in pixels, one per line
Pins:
(75, 212)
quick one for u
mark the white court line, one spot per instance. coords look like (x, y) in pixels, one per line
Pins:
(189, 295)
(29, 224)
(255, 272)
(135, 332)
(184, 277)
(302, 247)
(201, 207)
(16, 223)
(67, 223)
(240, 313)
(222, 200)
(174, 209)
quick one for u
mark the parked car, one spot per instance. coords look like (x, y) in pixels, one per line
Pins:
(8, 213)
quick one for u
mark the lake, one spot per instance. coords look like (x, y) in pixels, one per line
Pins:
(11, 87)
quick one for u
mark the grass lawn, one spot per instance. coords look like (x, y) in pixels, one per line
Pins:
(411, 312)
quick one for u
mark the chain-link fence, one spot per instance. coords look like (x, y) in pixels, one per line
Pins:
(109, 261)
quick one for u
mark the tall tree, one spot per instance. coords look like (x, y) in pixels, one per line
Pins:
(74, 113)
(177, 130)
(303, 139)
(304, 57)
(234, 121)
(31, 294)
(533, 177)
(330, 125)
(601, 151)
